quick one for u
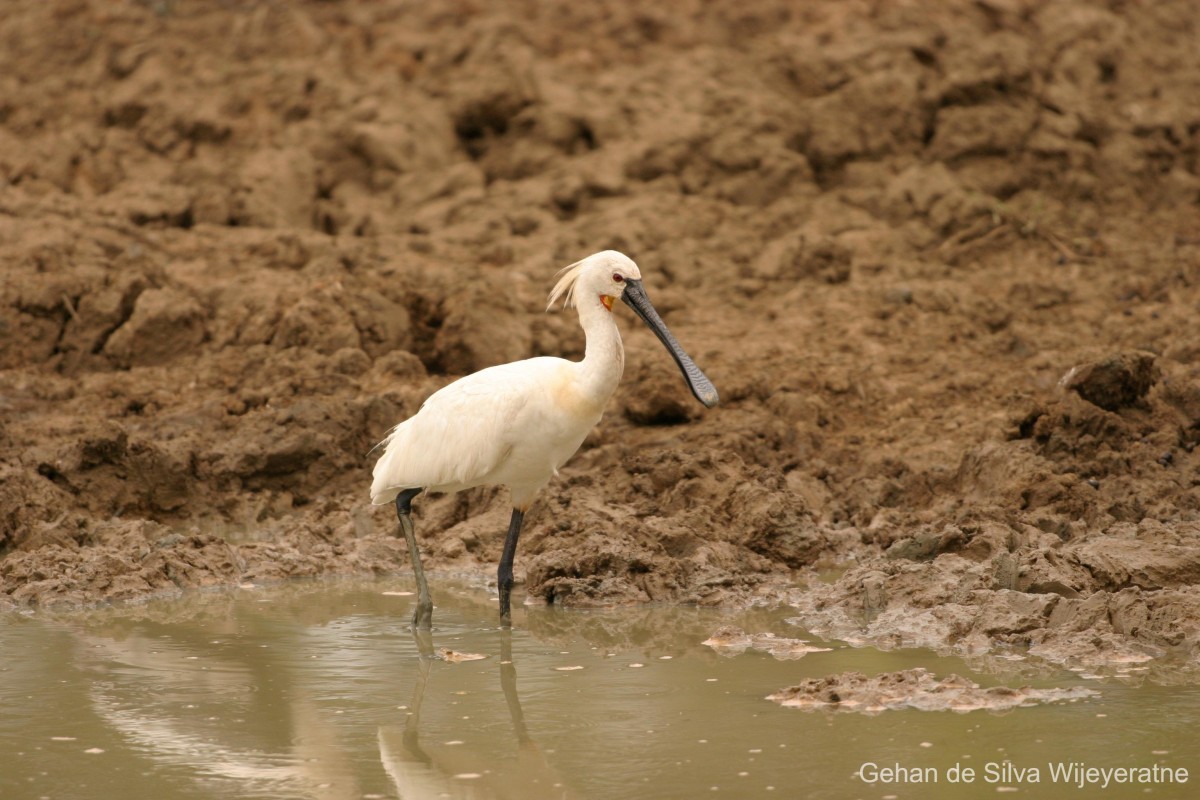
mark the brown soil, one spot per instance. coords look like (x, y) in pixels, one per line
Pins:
(241, 240)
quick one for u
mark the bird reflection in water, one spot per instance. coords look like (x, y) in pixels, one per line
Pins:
(245, 698)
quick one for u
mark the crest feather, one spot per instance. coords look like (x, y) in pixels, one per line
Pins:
(565, 288)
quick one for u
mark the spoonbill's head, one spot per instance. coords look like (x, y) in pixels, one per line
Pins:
(610, 275)
(605, 275)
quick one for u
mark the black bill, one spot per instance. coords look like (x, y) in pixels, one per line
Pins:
(635, 297)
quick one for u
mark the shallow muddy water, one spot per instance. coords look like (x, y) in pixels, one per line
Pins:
(319, 690)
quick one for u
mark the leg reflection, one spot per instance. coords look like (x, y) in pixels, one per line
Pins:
(508, 683)
(412, 725)
(415, 772)
(473, 766)
(534, 776)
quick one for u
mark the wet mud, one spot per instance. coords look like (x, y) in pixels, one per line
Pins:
(914, 688)
(942, 263)
(730, 641)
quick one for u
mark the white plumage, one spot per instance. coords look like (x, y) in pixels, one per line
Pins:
(516, 424)
(513, 425)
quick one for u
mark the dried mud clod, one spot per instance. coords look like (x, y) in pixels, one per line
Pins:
(1115, 382)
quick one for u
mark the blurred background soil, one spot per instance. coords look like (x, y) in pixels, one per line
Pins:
(941, 260)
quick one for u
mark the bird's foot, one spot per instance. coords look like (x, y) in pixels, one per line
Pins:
(505, 591)
(422, 618)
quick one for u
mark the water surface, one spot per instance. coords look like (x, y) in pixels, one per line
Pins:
(321, 691)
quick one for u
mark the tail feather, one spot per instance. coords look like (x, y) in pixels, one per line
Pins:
(384, 441)
(381, 492)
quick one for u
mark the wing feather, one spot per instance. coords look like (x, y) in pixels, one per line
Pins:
(462, 433)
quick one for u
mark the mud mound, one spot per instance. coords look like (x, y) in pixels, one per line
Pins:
(240, 242)
(913, 688)
(732, 641)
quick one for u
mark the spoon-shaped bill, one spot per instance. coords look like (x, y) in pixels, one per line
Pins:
(635, 297)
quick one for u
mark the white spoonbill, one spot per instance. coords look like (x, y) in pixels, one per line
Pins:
(516, 424)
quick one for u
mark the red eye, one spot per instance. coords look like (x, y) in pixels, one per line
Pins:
(618, 277)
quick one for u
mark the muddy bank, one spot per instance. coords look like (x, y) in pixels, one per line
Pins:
(957, 605)
(943, 266)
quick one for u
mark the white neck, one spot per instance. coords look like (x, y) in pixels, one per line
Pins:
(604, 357)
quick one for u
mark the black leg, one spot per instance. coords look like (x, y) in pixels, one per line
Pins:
(423, 613)
(504, 577)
